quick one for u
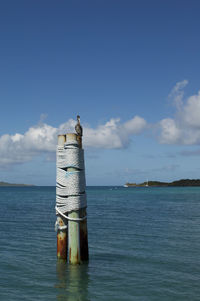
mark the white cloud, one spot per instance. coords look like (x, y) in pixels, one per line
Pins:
(177, 93)
(170, 132)
(114, 134)
(19, 148)
(184, 128)
(191, 112)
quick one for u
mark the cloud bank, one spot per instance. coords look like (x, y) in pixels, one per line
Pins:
(42, 139)
(183, 129)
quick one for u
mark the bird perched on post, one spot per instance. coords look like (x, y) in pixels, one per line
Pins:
(78, 127)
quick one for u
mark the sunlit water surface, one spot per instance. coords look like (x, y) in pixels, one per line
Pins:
(144, 244)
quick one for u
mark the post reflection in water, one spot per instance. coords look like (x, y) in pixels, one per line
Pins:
(72, 282)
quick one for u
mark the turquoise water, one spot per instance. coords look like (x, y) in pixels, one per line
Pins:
(144, 244)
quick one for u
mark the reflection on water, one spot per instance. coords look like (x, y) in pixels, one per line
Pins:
(72, 282)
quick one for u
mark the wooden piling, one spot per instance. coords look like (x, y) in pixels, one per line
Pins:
(77, 230)
(84, 237)
(62, 237)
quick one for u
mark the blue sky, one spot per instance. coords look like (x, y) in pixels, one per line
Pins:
(129, 68)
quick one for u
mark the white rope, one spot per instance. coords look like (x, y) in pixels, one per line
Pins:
(70, 218)
(70, 187)
(58, 227)
(70, 182)
(71, 203)
(74, 157)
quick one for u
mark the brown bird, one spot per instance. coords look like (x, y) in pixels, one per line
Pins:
(78, 127)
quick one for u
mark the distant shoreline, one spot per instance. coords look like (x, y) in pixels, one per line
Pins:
(5, 184)
(179, 183)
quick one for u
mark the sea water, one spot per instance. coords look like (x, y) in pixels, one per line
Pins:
(144, 244)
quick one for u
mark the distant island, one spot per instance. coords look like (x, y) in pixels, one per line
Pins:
(182, 183)
(10, 184)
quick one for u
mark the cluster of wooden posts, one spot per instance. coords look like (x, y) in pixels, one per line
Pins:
(72, 242)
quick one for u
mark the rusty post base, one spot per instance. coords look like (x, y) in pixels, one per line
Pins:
(62, 241)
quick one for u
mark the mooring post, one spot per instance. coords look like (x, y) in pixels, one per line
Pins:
(71, 201)
(77, 230)
(62, 239)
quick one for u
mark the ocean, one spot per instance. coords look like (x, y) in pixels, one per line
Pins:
(144, 244)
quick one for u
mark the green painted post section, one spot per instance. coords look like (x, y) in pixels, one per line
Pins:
(73, 226)
(74, 239)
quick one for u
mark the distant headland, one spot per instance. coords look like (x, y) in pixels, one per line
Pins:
(11, 184)
(182, 183)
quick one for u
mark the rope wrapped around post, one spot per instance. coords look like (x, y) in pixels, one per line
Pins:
(70, 187)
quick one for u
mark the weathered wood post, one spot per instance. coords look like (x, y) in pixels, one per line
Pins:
(71, 199)
(62, 239)
(77, 230)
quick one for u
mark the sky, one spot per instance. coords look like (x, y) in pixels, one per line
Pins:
(130, 69)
